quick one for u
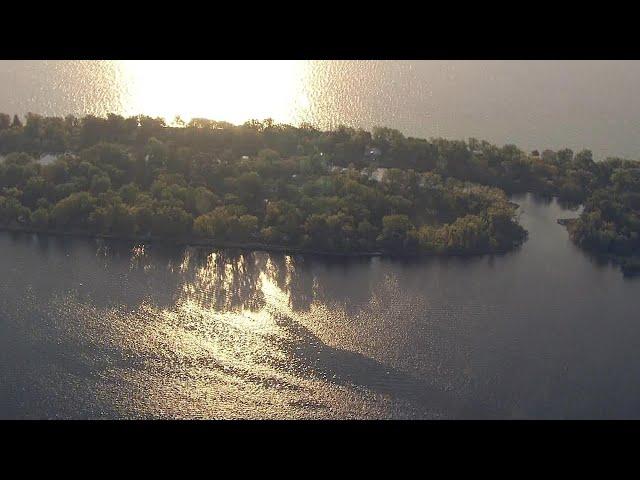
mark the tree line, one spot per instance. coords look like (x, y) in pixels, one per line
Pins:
(256, 183)
(300, 186)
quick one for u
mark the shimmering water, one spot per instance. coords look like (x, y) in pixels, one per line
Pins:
(91, 329)
(534, 104)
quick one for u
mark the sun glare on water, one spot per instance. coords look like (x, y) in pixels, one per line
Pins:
(232, 91)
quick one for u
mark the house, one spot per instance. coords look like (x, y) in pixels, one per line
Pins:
(47, 159)
(378, 174)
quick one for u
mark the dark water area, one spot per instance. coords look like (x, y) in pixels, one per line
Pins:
(94, 329)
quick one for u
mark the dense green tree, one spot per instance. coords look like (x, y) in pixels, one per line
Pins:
(171, 221)
(100, 184)
(278, 184)
(40, 218)
(74, 210)
(5, 121)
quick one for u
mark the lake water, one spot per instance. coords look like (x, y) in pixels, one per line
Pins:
(534, 104)
(112, 330)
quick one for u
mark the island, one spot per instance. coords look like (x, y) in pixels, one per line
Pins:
(610, 221)
(265, 185)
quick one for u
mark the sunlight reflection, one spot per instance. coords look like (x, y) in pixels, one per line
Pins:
(230, 90)
(225, 339)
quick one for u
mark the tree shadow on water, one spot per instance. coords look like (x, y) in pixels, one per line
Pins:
(308, 355)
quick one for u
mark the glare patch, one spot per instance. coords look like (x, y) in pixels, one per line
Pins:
(233, 91)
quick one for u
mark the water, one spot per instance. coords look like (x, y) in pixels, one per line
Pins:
(96, 330)
(111, 330)
(534, 104)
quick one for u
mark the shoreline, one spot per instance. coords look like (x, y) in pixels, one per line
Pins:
(248, 246)
(630, 265)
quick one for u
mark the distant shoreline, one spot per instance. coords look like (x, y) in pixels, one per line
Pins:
(629, 265)
(248, 246)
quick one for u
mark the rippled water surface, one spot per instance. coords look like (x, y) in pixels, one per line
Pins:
(112, 330)
(534, 104)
